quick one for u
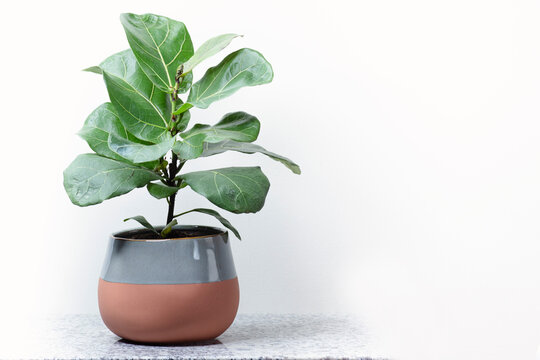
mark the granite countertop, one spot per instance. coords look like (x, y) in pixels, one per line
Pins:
(250, 337)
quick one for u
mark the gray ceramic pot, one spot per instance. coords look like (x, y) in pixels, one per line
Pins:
(172, 290)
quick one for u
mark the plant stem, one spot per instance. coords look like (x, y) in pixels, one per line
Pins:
(170, 213)
(173, 170)
(174, 167)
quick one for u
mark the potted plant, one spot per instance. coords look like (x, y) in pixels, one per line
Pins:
(170, 283)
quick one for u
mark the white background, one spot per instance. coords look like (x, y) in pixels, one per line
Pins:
(417, 126)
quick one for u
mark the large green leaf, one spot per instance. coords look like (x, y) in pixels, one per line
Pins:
(139, 153)
(102, 123)
(245, 67)
(210, 149)
(143, 108)
(207, 49)
(217, 215)
(238, 126)
(236, 189)
(90, 179)
(160, 44)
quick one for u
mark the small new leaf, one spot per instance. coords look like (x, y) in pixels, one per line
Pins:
(183, 108)
(161, 191)
(185, 85)
(142, 220)
(182, 120)
(168, 228)
(94, 69)
(207, 49)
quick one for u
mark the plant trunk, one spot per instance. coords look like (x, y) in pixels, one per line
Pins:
(170, 214)
(173, 170)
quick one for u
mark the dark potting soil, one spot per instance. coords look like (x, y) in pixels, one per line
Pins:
(140, 234)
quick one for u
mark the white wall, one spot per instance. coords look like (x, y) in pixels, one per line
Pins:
(417, 126)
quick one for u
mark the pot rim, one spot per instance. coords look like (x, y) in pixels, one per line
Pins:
(220, 231)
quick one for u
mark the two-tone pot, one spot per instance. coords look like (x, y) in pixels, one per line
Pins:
(169, 290)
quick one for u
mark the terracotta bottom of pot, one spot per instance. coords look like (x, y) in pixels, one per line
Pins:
(168, 313)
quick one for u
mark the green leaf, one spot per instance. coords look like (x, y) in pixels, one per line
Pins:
(90, 179)
(217, 215)
(161, 191)
(143, 109)
(236, 189)
(142, 220)
(94, 69)
(185, 85)
(182, 120)
(139, 153)
(238, 126)
(207, 49)
(183, 108)
(101, 123)
(168, 228)
(189, 148)
(218, 148)
(245, 67)
(160, 44)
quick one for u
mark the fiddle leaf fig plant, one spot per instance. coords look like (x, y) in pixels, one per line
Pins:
(141, 137)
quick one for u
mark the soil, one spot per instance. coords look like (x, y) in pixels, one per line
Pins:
(189, 232)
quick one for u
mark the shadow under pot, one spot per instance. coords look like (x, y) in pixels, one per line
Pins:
(174, 290)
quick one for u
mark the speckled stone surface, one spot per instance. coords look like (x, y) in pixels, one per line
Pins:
(250, 337)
